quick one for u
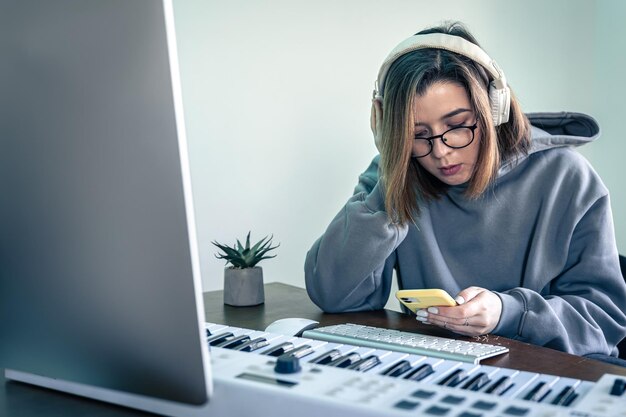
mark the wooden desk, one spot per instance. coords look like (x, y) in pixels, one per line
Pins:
(17, 399)
(283, 301)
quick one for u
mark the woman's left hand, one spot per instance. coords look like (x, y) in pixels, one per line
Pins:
(478, 313)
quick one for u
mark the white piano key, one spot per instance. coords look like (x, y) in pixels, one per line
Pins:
(497, 375)
(387, 359)
(561, 384)
(215, 328)
(549, 380)
(522, 381)
(442, 368)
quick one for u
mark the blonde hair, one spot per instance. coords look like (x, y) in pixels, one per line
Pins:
(407, 183)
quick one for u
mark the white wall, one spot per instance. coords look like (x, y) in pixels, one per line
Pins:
(277, 100)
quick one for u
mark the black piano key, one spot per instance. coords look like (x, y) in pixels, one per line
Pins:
(567, 402)
(397, 368)
(219, 338)
(477, 383)
(365, 364)
(562, 396)
(547, 392)
(537, 392)
(420, 372)
(278, 349)
(327, 357)
(234, 342)
(252, 345)
(618, 388)
(453, 379)
(208, 332)
(345, 360)
(501, 386)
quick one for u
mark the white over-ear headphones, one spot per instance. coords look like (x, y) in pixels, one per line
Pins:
(499, 93)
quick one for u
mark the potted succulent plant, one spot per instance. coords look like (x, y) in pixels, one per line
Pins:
(243, 280)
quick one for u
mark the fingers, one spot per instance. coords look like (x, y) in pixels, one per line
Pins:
(468, 293)
(478, 313)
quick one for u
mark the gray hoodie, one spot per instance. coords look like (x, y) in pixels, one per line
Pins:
(541, 237)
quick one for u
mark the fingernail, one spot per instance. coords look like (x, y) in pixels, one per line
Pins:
(459, 300)
(433, 310)
(422, 319)
(421, 313)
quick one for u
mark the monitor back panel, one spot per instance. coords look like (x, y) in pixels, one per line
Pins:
(98, 265)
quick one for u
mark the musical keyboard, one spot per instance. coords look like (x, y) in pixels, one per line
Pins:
(344, 376)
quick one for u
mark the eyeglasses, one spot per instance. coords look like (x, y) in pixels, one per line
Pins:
(455, 138)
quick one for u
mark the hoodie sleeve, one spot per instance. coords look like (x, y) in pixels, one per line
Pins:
(349, 268)
(582, 310)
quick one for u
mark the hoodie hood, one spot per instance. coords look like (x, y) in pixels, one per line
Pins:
(554, 130)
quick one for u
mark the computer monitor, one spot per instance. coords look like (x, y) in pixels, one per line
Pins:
(100, 291)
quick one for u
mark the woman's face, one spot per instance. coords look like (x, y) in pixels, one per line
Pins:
(446, 105)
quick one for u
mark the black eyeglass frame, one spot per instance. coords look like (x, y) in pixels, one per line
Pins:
(430, 140)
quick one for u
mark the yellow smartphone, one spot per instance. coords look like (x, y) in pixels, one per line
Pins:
(418, 299)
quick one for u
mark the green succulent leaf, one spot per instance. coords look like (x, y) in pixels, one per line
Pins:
(241, 256)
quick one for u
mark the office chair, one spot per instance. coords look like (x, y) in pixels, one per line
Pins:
(622, 345)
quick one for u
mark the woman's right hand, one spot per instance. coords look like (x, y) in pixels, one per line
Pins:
(376, 121)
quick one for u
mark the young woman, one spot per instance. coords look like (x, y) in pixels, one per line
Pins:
(472, 196)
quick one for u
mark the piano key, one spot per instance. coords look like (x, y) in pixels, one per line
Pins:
(234, 342)
(301, 351)
(477, 382)
(618, 388)
(274, 340)
(453, 378)
(326, 357)
(581, 391)
(441, 367)
(520, 383)
(397, 368)
(365, 364)
(219, 338)
(385, 357)
(345, 360)
(279, 349)
(469, 370)
(388, 357)
(267, 336)
(215, 328)
(538, 389)
(501, 385)
(315, 344)
(252, 345)
(570, 400)
(342, 349)
(420, 372)
(537, 393)
(564, 395)
(560, 386)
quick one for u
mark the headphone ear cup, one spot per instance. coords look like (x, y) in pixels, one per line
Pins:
(500, 103)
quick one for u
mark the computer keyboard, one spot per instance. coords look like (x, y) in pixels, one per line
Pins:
(407, 342)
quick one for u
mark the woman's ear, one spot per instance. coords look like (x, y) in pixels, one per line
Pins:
(376, 121)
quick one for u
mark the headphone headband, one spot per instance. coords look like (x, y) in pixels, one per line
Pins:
(499, 93)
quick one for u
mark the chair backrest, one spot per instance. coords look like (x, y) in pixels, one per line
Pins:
(622, 345)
